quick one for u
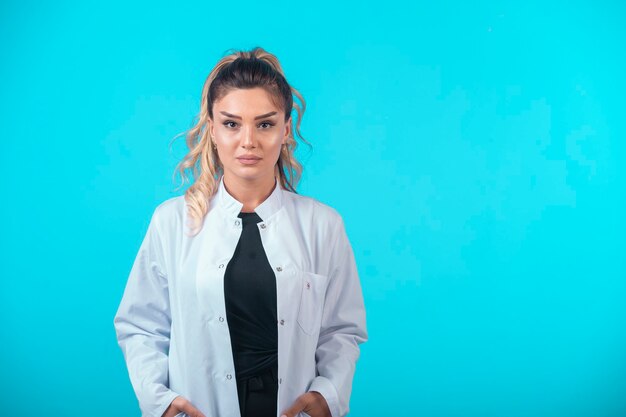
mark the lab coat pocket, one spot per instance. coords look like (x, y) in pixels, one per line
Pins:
(313, 290)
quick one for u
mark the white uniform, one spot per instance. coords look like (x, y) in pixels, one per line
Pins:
(171, 323)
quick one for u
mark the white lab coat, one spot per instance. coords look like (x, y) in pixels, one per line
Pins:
(171, 322)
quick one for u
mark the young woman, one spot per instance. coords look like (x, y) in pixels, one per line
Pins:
(244, 298)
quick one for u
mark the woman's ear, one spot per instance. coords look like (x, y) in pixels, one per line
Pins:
(287, 130)
(210, 125)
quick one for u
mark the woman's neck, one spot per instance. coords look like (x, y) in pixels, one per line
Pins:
(250, 194)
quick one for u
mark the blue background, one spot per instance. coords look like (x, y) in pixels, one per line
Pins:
(476, 153)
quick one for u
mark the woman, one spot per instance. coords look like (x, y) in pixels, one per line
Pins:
(244, 298)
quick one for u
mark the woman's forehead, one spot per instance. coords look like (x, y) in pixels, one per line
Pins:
(245, 95)
(248, 103)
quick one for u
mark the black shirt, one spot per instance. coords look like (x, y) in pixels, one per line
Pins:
(250, 296)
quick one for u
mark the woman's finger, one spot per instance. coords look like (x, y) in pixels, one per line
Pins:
(190, 410)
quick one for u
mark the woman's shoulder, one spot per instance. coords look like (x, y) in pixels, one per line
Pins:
(315, 208)
(171, 205)
(170, 211)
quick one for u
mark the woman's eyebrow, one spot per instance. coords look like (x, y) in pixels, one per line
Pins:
(256, 118)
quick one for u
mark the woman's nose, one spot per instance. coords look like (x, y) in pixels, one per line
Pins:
(248, 140)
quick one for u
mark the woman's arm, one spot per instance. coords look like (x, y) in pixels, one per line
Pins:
(142, 324)
(343, 327)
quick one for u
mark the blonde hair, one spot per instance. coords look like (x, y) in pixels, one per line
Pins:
(238, 69)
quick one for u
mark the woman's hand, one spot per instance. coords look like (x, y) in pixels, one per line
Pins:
(313, 403)
(181, 404)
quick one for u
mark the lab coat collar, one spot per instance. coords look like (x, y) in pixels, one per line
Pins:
(265, 210)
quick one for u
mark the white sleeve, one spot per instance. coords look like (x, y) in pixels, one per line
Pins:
(343, 328)
(142, 324)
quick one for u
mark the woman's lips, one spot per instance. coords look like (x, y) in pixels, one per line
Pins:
(249, 161)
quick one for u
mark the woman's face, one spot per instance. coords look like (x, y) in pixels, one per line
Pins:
(249, 132)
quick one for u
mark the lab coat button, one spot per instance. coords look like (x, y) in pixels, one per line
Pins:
(278, 268)
(221, 318)
(282, 322)
(262, 225)
(237, 222)
(221, 266)
(229, 376)
(308, 285)
(280, 380)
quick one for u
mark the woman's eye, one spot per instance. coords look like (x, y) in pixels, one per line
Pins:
(264, 125)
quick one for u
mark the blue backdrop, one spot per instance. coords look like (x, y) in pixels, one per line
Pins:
(476, 153)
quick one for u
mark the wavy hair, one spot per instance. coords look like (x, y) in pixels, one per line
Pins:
(237, 69)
